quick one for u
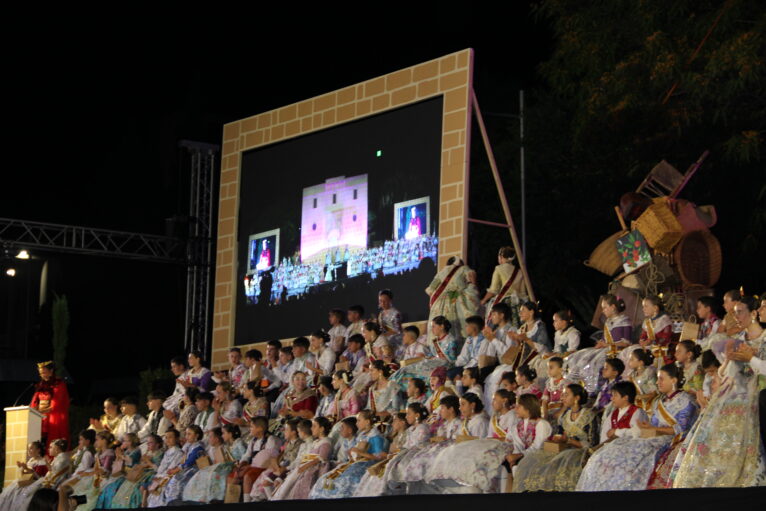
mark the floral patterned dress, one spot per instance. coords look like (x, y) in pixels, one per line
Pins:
(298, 484)
(545, 471)
(412, 466)
(457, 298)
(441, 352)
(209, 483)
(723, 448)
(342, 480)
(628, 463)
(584, 366)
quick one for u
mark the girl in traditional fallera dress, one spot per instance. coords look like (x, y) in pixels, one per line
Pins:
(347, 402)
(438, 391)
(530, 340)
(169, 466)
(36, 466)
(627, 463)
(83, 457)
(643, 376)
(442, 352)
(225, 448)
(324, 355)
(657, 328)
(193, 449)
(724, 447)
(585, 364)
(198, 375)
(326, 397)
(19, 497)
(111, 417)
(554, 389)
(297, 438)
(416, 436)
(503, 414)
(373, 482)
(342, 480)
(566, 339)
(383, 396)
(417, 392)
(507, 284)
(528, 436)
(578, 429)
(453, 294)
(526, 377)
(127, 494)
(313, 463)
(412, 468)
(187, 410)
(687, 355)
(469, 383)
(345, 441)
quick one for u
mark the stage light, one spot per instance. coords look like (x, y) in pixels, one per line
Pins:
(11, 272)
(23, 254)
(379, 153)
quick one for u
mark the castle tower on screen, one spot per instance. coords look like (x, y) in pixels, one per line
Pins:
(334, 219)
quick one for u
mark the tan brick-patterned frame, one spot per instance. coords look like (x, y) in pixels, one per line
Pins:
(450, 76)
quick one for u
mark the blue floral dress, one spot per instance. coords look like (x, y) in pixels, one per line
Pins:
(342, 481)
(628, 463)
(440, 352)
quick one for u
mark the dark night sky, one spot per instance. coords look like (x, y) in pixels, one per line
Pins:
(93, 116)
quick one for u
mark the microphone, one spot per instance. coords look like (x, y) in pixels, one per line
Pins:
(15, 403)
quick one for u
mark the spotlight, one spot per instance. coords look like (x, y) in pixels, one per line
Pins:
(11, 272)
(23, 254)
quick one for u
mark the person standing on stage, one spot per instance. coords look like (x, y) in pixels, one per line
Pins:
(52, 400)
(507, 285)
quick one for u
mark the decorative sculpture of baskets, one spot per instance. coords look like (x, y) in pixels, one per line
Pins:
(605, 257)
(660, 227)
(698, 259)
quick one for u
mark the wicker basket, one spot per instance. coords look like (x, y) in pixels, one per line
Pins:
(698, 259)
(660, 227)
(605, 257)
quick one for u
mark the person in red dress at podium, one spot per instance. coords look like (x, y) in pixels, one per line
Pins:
(52, 400)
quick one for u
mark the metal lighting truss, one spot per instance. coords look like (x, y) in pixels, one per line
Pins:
(195, 252)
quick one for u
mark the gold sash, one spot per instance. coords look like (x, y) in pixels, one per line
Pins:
(464, 428)
(650, 329)
(610, 341)
(500, 432)
(669, 419)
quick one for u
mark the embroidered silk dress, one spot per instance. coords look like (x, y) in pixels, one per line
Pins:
(584, 366)
(546, 471)
(298, 484)
(724, 447)
(629, 462)
(457, 299)
(343, 480)
(645, 381)
(441, 352)
(539, 336)
(18, 499)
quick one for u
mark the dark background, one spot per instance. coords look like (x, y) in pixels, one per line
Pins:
(94, 109)
(408, 168)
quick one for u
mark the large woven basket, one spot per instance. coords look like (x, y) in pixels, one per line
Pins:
(660, 226)
(605, 257)
(698, 259)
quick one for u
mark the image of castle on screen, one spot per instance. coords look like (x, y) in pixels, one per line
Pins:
(333, 244)
(328, 219)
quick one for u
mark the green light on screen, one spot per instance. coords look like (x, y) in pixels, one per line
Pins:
(379, 153)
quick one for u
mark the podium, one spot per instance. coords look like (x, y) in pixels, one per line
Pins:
(22, 426)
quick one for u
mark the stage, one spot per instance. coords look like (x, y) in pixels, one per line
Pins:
(729, 499)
